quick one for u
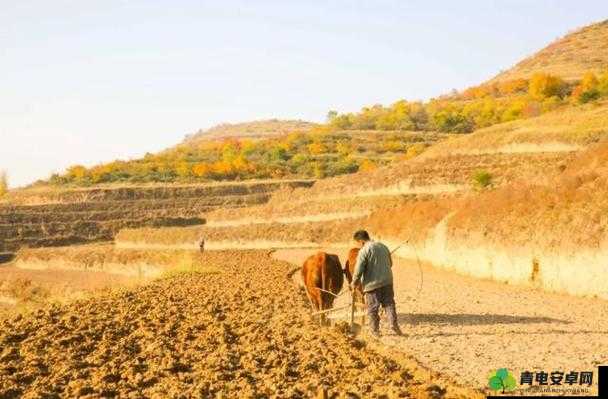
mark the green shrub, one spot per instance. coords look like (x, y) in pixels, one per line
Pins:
(589, 95)
(482, 179)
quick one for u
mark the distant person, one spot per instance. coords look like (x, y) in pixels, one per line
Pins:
(373, 268)
(201, 244)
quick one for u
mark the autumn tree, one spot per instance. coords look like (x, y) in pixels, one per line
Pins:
(544, 85)
(183, 169)
(3, 183)
(343, 148)
(201, 170)
(367, 165)
(331, 115)
(514, 86)
(587, 89)
(316, 148)
(602, 85)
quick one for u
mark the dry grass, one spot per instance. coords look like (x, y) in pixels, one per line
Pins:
(412, 222)
(571, 211)
(165, 236)
(51, 275)
(561, 130)
(23, 290)
(47, 194)
(569, 57)
(567, 209)
(405, 181)
(184, 238)
(253, 130)
(103, 258)
(191, 263)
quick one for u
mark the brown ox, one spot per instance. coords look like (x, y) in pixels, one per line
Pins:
(322, 271)
(349, 270)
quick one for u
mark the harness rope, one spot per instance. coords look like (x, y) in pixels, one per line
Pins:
(421, 273)
(420, 282)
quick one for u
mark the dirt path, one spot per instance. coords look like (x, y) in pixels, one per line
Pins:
(242, 332)
(467, 328)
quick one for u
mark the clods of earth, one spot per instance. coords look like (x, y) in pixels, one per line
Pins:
(241, 331)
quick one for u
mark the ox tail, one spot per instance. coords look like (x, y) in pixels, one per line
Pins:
(323, 262)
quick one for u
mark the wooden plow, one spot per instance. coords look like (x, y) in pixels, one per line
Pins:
(352, 307)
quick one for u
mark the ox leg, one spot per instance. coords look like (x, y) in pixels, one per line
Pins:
(313, 303)
(317, 298)
(323, 303)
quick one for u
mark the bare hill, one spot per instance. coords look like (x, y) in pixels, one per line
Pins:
(581, 51)
(252, 130)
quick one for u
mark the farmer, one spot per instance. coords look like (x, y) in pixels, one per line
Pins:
(201, 244)
(373, 268)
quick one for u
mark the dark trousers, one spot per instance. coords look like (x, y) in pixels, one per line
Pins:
(381, 296)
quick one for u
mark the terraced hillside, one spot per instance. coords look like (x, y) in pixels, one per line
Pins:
(251, 130)
(76, 216)
(520, 151)
(440, 207)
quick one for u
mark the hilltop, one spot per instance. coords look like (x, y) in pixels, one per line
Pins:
(250, 130)
(567, 77)
(584, 50)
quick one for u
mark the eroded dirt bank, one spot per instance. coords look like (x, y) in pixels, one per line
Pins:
(242, 332)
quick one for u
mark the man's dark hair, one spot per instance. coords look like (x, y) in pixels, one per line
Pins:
(361, 235)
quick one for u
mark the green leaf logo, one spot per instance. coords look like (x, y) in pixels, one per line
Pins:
(502, 380)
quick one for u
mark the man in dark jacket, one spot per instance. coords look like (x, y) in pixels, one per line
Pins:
(373, 268)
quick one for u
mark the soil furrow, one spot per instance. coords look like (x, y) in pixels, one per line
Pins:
(239, 332)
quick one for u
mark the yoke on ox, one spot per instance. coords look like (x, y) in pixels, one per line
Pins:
(322, 277)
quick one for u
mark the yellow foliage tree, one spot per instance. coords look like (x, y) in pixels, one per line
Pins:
(201, 170)
(77, 172)
(316, 148)
(587, 89)
(544, 85)
(589, 81)
(343, 148)
(3, 183)
(367, 165)
(183, 169)
(318, 170)
(512, 86)
(603, 83)
(392, 145)
(223, 168)
(241, 165)
(98, 172)
(414, 150)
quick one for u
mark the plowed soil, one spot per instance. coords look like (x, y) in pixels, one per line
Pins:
(242, 332)
(468, 327)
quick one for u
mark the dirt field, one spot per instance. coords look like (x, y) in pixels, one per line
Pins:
(243, 332)
(468, 327)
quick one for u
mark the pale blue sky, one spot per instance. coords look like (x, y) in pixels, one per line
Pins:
(90, 81)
